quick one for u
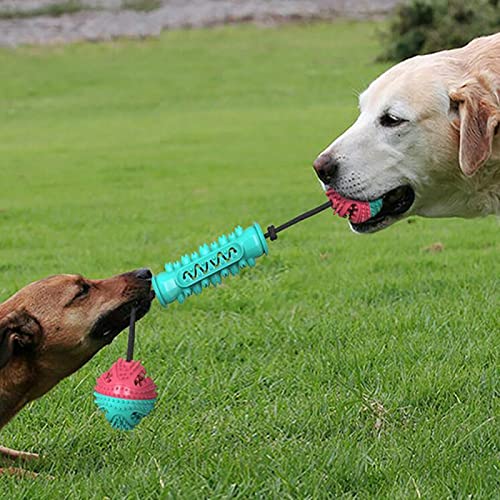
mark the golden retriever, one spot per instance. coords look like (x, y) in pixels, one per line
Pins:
(427, 139)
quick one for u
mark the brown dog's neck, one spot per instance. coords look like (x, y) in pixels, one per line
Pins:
(23, 380)
(16, 384)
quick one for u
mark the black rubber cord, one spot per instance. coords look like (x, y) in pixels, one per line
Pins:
(131, 336)
(272, 232)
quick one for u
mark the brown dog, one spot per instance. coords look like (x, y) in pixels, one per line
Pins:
(52, 327)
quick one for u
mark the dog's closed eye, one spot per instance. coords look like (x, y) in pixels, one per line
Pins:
(83, 291)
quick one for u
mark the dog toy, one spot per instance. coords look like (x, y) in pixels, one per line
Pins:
(124, 393)
(356, 211)
(213, 262)
(239, 249)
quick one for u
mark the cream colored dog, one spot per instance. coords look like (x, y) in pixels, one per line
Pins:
(427, 139)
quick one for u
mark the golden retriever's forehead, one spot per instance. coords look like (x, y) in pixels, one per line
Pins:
(411, 88)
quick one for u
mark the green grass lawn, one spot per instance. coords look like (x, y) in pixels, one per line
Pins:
(341, 366)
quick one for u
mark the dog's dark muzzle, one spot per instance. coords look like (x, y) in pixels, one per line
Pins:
(138, 294)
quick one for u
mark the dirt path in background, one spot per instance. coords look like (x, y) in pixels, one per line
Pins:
(107, 19)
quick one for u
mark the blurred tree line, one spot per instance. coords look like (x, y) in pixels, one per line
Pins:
(422, 26)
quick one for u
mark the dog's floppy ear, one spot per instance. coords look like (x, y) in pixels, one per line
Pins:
(18, 330)
(479, 112)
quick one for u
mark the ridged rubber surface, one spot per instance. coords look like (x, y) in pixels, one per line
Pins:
(224, 257)
(355, 211)
(126, 380)
(124, 414)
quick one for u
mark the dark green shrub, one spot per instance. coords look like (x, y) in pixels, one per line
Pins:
(424, 26)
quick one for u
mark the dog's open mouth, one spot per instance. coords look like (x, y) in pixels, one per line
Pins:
(111, 323)
(394, 204)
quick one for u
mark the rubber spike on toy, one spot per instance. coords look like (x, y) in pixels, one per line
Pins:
(223, 257)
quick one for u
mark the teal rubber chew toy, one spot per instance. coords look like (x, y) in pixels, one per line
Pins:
(224, 257)
(231, 253)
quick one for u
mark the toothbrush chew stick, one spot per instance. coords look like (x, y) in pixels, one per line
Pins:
(194, 272)
(239, 249)
(211, 263)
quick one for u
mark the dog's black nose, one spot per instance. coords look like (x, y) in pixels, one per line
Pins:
(326, 167)
(143, 274)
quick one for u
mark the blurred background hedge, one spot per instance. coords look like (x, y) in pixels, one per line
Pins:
(423, 26)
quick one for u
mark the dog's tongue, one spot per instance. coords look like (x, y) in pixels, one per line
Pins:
(355, 211)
